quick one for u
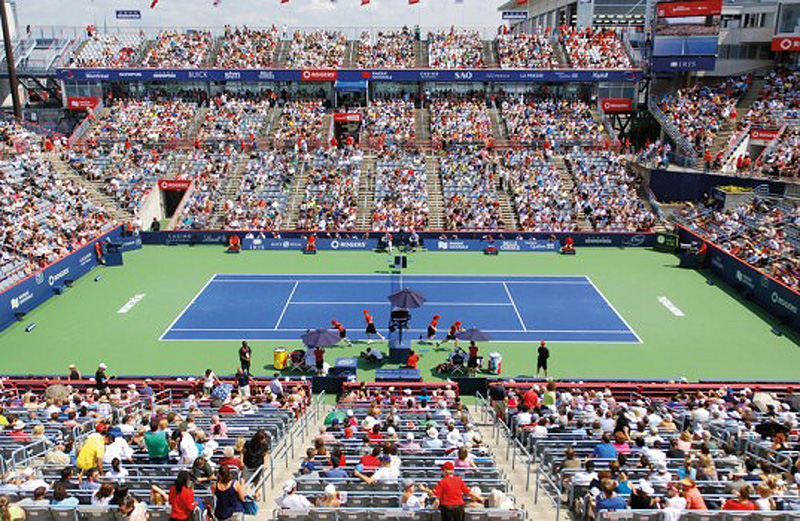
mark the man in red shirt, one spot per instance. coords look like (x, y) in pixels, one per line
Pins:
(452, 333)
(450, 492)
(370, 462)
(531, 399)
(342, 331)
(413, 359)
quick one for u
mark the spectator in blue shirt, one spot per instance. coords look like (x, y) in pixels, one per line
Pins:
(609, 500)
(604, 449)
(335, 472)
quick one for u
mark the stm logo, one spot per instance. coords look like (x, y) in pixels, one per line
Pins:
(233, 75)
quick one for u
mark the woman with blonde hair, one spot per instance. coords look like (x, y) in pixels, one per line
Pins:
(765, 501)
(330, 499)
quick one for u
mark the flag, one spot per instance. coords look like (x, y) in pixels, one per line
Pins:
(412, 2)
(522, 2)
(284, 1)
(364, 2)
(459, 1)
(153, 4)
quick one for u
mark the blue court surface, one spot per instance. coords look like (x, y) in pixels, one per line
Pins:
(508, 309)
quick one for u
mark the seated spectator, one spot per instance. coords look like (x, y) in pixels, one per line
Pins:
(455, 49)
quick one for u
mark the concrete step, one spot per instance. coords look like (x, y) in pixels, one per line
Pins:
(94, 189)
(435, 195)
(366, 193)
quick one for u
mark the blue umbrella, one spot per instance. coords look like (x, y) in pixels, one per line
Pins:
(320, 338)
(222, 391)
(407, 299)
(473, 334)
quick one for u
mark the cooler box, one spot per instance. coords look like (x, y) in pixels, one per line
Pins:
(279, 358)
(495, 361)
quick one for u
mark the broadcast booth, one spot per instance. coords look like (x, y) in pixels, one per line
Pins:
(346, 125)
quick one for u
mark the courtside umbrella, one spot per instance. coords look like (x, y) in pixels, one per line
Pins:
(407, 299)
(473, 334)
(321, 338)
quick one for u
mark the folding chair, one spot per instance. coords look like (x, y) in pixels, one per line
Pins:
(297, 362)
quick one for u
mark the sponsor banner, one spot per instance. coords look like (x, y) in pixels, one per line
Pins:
(501, 245)
(683, 63)
(82, 103)
(252, 75)
(763, 135)
(617, 105)
(774, 297)
(346, 117)
(515, 15)
(318, 75)
(33, 291)
(666, 242)
(786, 43)
(472, 241)
(174, 184)
(684, 9)
(129, 14)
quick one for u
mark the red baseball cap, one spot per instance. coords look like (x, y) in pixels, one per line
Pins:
(333, 321)
(436, 316)
(448, 466)
(542, 342)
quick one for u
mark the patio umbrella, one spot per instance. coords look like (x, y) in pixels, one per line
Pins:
(56, 392)
(321, 338)
(407, 299)
(473, 334)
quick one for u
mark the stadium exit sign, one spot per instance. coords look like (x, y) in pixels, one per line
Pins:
(515, 15)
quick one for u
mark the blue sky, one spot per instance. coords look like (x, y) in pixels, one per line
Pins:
(318, 13)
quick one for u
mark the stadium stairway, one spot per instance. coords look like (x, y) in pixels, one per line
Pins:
(351, 54)
(281, 51)
(211, 57)
(272, 121)
(507, 210)
(296, 194)
(93, 188)
(514, 469)
(420, 54)
(197, 122)
(366, 193)
(229, 188)
(435, 194)
(498, 128)
(422, 125)
(489, 54)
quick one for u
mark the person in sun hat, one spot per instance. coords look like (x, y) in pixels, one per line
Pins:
(291, 500)
(100, 378)
(694, 499)
(342, 331)
(74, 374)
(371, 330)
(449, 493)
(411, 502)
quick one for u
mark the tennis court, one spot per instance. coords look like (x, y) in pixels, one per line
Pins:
(508, 308)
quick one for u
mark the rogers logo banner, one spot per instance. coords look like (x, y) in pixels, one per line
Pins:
(342, 117)
(617, 105)
(765, 135)
(174, 184)
(318, 75)
(700, 8)
(791, 43)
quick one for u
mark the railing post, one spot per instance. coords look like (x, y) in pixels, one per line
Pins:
(271, 470)
(513, 453)
(528, 475)
(536, 491)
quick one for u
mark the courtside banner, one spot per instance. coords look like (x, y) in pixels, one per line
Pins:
(774, 297)
(253, 75)
(38, 288)
(463, 241)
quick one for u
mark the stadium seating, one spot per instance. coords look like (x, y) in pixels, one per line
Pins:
(536, 120)
(460, 119)
(146, 121)
(455, 49)
(230, 118)
(331, 197)
(179, 50)
(109, 50)
(386, 49)
(532, 50)
(244, 48)
(317, 49)
(470, 192)
(594, 48)
(401, 194)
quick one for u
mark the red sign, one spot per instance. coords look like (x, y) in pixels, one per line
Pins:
(174, 184)
(82, 103)
(346, 117)
(679, 9)
(763, 135)
(788, 43)
(318, 75)
(617, 105)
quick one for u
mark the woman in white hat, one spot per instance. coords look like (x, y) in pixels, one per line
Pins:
(331, 498)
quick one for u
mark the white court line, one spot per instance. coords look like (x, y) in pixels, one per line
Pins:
(615, 310)
(415, 275)
(514, 304)
(209, 281)
(286, 305)
(593, 331)
(670, 306)
(358, 303)
(607, 342)
(356, 281)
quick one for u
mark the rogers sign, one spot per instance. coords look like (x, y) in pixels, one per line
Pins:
(174, 184)
(617, 105)
(318, 75)
(789, 43)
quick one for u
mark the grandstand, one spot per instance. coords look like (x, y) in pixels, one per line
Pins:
(303, 273)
